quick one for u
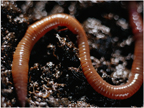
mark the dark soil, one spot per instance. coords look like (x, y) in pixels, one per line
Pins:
(55, 75)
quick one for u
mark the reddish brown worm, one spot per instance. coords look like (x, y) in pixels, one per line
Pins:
(37, 30)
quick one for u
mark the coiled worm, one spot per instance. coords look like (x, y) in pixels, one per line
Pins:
(37, 30)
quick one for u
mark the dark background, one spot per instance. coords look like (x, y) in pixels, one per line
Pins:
(55, 74)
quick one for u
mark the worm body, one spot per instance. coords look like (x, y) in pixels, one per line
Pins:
(37, 30)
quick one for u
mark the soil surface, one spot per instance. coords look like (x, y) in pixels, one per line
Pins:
(55, 74)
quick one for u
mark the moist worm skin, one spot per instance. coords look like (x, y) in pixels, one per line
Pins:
(37, 30)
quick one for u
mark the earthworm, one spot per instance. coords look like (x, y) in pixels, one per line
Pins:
(38, 29)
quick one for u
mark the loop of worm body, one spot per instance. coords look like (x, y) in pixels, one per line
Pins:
(37, 30)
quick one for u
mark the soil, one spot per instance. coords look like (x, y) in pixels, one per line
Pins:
(55, 74)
